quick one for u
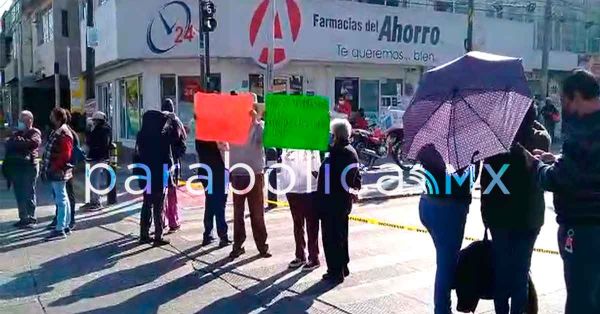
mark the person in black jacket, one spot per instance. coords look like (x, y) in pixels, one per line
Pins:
(337, 175)
(574, 178)
(514, 219)
(98, 140)
(444, 213)
(154, 142)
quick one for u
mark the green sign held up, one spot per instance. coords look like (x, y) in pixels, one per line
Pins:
(297, 122)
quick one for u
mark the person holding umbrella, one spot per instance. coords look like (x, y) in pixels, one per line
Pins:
(463, 112)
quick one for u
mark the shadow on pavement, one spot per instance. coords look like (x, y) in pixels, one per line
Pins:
(22, 239)
(74, 265)
(150, 301)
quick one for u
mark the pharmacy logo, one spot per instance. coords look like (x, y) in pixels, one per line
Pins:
(259, 32)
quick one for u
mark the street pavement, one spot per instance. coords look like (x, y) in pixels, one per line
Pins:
(100, 268)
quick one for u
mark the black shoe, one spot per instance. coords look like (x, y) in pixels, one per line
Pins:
(330, 277)
(173, 230)
(207, 241)
(237, 252)
(56, 235)
(19, 224)
(145, 240)
(346, 271)
(67, 231)
(265, 254)
(30, 226)
(224, 242)
(160, 242)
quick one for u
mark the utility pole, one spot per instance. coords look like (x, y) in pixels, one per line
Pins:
(90, 55)
(200, 41)
(56, 85)
(20, 66)
(207, 60)
(471, 14)
(546, 46)
(208, 24)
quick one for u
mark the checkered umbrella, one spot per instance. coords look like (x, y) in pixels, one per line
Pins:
(469, 109)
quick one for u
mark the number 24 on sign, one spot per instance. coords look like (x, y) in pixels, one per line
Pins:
(184, 33)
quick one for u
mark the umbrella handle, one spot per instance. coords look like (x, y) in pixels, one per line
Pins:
(476, 153)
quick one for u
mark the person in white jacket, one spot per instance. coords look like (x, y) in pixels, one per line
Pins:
(302, 183)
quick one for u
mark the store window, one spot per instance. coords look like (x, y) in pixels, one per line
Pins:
(131, 103)
(292, 85)
(347, 87)
(45, 26)
(105, 101)
(369, 99)
(168, 87)
(187, 86)
(257, 83)
(391, 90)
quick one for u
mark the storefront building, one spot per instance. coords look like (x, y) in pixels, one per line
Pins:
(375, 55)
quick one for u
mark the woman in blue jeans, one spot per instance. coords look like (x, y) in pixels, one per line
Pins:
(444, 214)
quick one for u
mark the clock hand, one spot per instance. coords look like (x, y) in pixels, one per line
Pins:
(168, 28)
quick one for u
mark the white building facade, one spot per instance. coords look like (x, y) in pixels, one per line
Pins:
(149, 50)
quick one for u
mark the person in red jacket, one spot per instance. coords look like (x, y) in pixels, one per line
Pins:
(343, 106)
(56, 169)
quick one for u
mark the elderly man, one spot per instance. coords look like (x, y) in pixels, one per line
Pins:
(337, 175)
(22, 151)
(252, 155)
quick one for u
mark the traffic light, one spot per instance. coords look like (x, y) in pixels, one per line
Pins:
(209, 23)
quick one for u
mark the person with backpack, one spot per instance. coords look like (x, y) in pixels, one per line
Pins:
(57, 169)
(514, 219)
(178, 150)
(21, 167)
(98, 140)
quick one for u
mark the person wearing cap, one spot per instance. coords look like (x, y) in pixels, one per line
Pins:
(251, 156)
(98, 140)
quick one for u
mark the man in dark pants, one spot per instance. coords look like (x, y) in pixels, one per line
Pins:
(210, 154)
(574, 178)
(154, 142)
(22, 168)
(334, 199)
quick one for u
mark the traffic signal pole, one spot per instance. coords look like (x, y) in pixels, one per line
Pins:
(207, 60)
(200, 42)
(471, 14)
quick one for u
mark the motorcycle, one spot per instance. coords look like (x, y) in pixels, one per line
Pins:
(395, 139)
(374, 144)
(370, 145)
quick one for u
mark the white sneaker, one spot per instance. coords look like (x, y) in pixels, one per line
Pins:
(296, 263)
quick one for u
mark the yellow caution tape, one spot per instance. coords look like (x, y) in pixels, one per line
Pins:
(377, 222)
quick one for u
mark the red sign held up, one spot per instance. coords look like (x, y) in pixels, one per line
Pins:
(223, 118)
